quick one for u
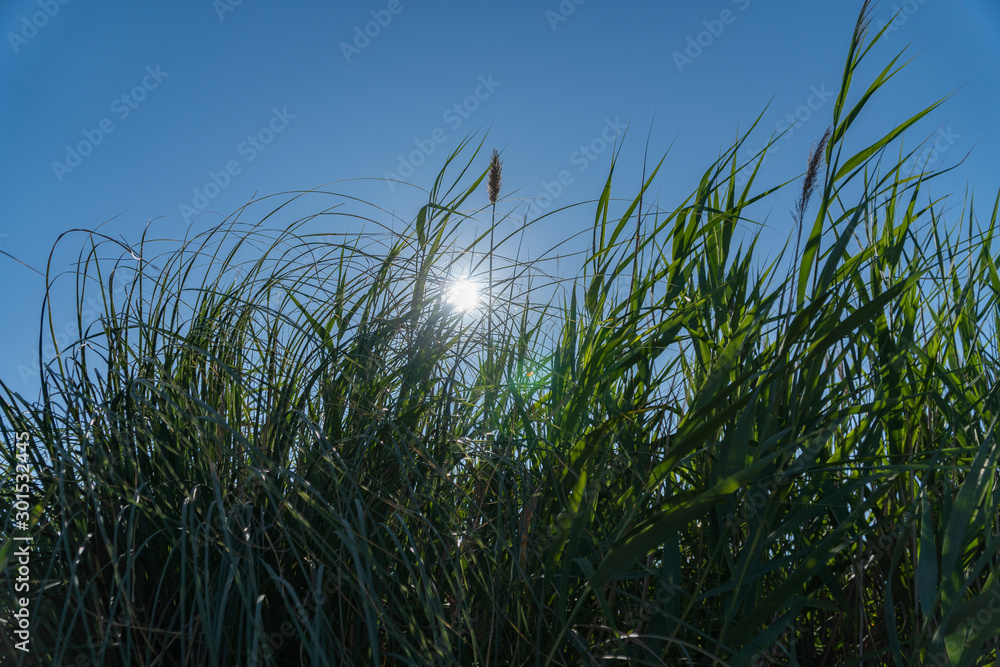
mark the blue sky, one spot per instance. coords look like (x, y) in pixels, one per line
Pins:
(139, 112)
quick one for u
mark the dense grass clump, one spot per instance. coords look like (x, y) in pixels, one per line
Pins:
(680, 456)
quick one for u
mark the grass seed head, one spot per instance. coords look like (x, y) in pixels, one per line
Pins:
(812, 171)
(496, 166)
(864, 21)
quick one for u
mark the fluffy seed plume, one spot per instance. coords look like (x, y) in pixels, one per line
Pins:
(496, 166)
(864, 21)
(812, 171)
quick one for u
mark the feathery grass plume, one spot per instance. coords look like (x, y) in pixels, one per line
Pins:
(496, 167)
(809, 183)
(864, 20)
(813, 163)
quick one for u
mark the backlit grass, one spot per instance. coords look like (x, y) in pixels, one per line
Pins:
(679, 455)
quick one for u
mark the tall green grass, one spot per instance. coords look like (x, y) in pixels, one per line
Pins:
(683, 455)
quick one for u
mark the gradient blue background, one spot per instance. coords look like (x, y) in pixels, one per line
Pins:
(354, 117)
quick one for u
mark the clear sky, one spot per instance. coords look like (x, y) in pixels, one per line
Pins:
(161, 111)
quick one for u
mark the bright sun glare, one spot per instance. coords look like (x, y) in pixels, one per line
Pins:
(464, 294)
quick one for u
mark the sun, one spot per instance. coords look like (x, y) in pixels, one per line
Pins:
(464, 294)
